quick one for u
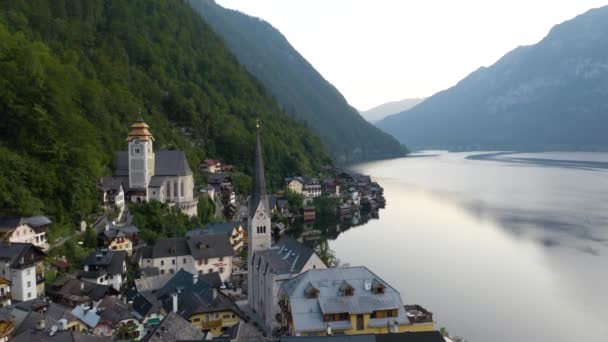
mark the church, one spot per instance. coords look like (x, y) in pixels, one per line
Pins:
(147, 175)
(270, 265)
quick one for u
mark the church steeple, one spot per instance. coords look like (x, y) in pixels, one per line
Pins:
(258, 191)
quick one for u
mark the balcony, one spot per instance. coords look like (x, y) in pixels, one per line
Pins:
(40, 278)
(212, 324)
(6, 296)
(418, 314)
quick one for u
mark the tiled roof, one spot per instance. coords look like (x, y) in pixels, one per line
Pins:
(18, 254)
(111, 260)
(200, 247)
(216, 228)
(174, 328)
(308, 312)
(166, 163)
(286, 256)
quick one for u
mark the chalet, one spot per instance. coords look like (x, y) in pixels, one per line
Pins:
(112, 193)
(331, 187)
(106, 268)
(312, 188)
(207, 309)
(195, 254)
(120, 238)
(73, 292)
(23, 265)
(234, 230)
(210, 165)
(174, 328)
(349, 300)
(49, 315)
(295, 184)
(146, 174)
(26, 230)
(113, 314)
(219, 180)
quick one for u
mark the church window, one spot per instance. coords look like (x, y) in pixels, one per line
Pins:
(137, 151)
(168, 189)
(221, 270)
(175, 194)
(181, 188)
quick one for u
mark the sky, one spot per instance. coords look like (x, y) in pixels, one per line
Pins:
(376, 51)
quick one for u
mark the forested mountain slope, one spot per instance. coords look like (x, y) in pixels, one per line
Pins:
(74, 74)
(297, 86)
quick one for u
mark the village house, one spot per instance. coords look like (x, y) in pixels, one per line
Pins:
(46, 315)
(210, 166)
(311, 188)
(26, 230)
(147, 175)
(349, 300)
(5, 292)
(209, 191)
(269, 266)
(331, 187)
(112, 194)
(195, 254)
(174, 328)
(195, 300)
(420, 336)
(106, 268)
(233, 229)
(23, 265)
(73, 292)
(113, 314)
(295, 184)
(120, 238)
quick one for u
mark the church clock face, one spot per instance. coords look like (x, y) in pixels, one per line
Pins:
(261, 215)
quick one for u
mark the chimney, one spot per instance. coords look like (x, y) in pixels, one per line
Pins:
(81, 285)
(40, 325)
(194, 279)
(214, 294)
(175, 302)
(107, 227)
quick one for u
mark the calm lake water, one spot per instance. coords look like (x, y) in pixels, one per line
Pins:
(501, 247)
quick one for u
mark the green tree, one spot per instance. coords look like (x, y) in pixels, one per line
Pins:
(90, 238)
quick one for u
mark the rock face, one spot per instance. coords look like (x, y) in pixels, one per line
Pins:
(550, 96)
(380, 112)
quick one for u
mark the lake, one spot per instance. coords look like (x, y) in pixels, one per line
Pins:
(501, 247)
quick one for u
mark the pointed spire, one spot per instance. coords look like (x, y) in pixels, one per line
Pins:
(258, 192)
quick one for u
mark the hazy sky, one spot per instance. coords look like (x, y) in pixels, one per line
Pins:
(377, 51)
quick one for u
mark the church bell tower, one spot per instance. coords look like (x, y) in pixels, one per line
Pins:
(141, 155)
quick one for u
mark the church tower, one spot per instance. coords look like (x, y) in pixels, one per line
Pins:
(141, 156)
(258, 219)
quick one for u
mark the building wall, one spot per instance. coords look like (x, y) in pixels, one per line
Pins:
(121, 244)
(170, 264)
(223, 264)
(370, 330)
(25, 234)
(23, 283)
(295, 186)
(216, 322)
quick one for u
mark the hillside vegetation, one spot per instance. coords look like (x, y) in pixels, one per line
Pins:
(74, 74)
(297, 86)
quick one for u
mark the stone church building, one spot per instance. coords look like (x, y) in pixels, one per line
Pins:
(270, 265)
(147, 175)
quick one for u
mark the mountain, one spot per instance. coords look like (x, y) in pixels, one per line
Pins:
(548, 96)
(297, 86)
(380, 112)
(74, 74)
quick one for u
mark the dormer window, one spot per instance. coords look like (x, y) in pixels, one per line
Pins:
(347, 289)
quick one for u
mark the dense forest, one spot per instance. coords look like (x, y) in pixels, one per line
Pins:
(297, 86)
(74, 74)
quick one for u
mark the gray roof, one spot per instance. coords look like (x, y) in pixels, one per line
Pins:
(110, 183)
(80, 288)
(157, 181)
(110, 261)
(166, 163)
(10, 223)
(215, 228)
(200, 247)
(286, 256)
(308, 312)
(89, 317)
(112, 310)
(420, 336)
(197, 300)
(19, 254)
(174, 328)
(59, 336)
(152, 283)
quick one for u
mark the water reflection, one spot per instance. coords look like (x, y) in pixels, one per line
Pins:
(499, 253)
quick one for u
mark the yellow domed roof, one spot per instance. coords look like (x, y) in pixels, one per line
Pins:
(139, 130)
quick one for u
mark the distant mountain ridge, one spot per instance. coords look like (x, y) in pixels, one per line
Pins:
(297, 86)
(380, 112)
(548, 96)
